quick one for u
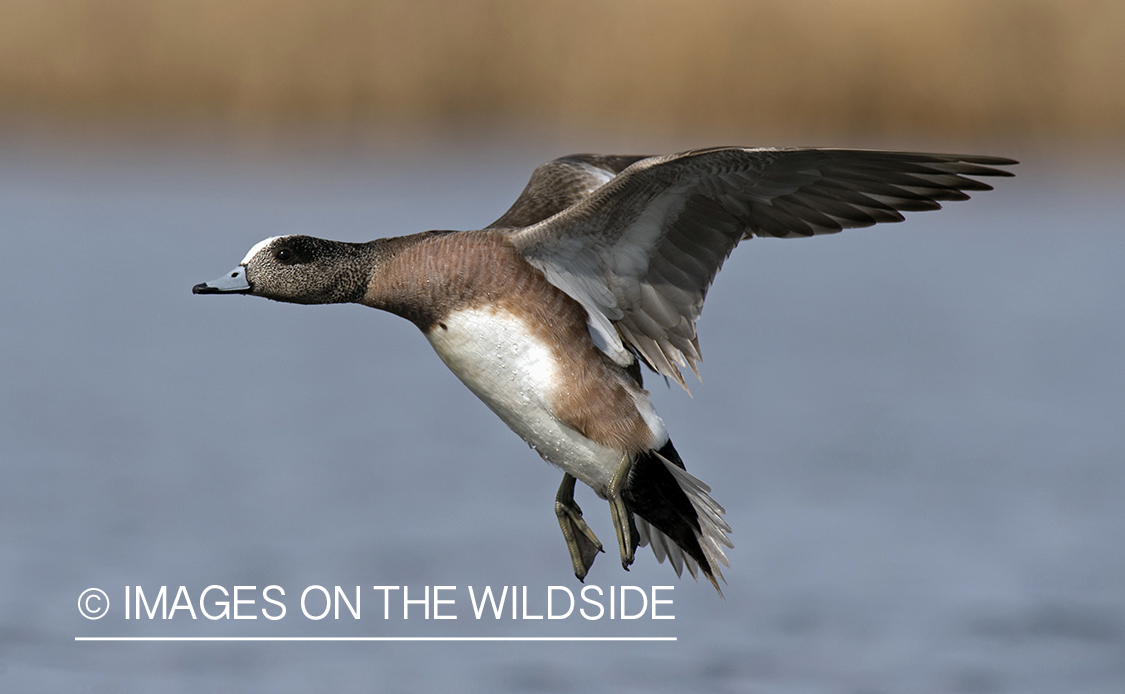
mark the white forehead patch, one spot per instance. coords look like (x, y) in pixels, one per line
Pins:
(257, 247)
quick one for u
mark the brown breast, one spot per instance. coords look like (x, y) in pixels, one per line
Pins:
(427, 279)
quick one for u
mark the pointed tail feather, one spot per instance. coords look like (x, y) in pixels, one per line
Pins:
(676, 515)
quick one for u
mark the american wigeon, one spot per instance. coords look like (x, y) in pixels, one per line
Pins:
(603, 264)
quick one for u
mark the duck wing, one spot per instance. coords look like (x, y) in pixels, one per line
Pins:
(640, 249)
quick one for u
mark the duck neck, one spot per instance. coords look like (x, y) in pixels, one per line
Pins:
(349, 279)
(404, 279)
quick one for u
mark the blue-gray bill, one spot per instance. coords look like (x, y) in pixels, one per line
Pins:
(234, 282)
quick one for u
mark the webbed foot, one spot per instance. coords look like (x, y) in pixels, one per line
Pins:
(581, 542)
(627, 536)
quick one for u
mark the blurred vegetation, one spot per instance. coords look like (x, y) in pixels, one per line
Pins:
(1039, 70)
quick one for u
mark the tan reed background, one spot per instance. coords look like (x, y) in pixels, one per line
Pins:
(1033, 70)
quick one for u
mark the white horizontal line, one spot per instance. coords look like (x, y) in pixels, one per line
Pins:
(374, 638)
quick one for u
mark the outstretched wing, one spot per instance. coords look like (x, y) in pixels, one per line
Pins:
(560, 183)
(640, 251)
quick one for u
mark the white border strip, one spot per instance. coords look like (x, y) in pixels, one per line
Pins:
(374, 638)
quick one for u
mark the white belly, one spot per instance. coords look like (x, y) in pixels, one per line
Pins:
(515, 373)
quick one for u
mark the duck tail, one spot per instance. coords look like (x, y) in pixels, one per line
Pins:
(676, 514)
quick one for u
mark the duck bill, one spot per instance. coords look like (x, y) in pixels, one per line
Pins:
(234, 282)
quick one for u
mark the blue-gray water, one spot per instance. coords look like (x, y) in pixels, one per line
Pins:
(916, 429)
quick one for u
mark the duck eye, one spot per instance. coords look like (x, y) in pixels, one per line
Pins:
(284, 255)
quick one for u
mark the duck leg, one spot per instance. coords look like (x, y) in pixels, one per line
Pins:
(627, 535)
(581, 542)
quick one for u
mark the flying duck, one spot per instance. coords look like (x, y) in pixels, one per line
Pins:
(601, 265)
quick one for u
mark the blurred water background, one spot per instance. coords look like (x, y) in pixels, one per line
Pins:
(916, 429)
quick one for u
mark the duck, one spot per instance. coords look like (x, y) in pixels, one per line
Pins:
(601, 266)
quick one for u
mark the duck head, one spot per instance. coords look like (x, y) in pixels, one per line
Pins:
(296, 269)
